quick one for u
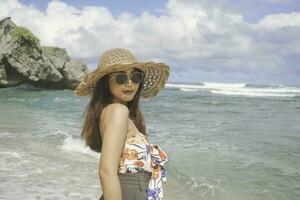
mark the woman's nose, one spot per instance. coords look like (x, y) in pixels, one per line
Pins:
(129, 81)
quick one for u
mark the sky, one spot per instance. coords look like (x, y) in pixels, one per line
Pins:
(228, 41)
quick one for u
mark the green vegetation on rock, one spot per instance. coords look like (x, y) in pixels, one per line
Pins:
(23, 33)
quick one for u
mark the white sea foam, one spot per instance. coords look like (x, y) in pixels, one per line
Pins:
(253, 94)
(62, 99)
(15, 99)
(3, 134)
(59, 132)
(188, 90)
(77, 145)
(184, 86)
(192, 184)
(240, 89)
(12, 154)
(223, 85)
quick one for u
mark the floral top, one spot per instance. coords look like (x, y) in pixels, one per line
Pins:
(149, 157)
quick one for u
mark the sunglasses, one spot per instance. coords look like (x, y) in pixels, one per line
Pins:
(121, 77)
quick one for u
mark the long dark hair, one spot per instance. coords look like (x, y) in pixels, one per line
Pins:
(101, 97)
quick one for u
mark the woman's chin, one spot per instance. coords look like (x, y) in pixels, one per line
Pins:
(127, 98)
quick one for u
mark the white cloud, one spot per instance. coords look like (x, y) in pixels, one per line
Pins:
(191, 33)
(280, 20)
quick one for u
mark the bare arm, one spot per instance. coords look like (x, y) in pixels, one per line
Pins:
(114, 135)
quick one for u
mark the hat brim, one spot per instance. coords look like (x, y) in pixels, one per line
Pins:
(156, 76)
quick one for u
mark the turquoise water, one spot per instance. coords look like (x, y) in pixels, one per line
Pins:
(224, 142)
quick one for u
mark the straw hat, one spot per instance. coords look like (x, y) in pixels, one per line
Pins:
(118, 59)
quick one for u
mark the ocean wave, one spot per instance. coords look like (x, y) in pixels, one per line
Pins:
(15, 99)
(63, 99)
(251, 94)
(4, 134)
(193, 185)
(263, 86)
(11, 154)
(60, 133)
(240, 89)
(192, 86)
(77, 145)
(188, 90)
(224, 85)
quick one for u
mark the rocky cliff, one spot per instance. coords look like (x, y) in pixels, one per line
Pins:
(24, 60)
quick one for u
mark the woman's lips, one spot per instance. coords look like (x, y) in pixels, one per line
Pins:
(128, 92)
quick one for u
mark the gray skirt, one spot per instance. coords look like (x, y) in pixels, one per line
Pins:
(134, 185)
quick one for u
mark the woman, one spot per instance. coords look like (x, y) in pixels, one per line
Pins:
(130, 166)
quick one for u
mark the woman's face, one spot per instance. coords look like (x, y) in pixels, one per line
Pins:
(125, 92)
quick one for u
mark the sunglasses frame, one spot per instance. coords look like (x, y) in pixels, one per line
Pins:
(114, 75)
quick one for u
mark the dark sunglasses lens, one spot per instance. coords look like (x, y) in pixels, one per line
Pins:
(121, 78)
(137, 77)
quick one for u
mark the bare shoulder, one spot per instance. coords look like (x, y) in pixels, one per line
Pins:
(115, 108)
(112, 112)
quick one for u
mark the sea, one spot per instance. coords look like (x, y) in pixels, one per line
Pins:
(224, 141)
